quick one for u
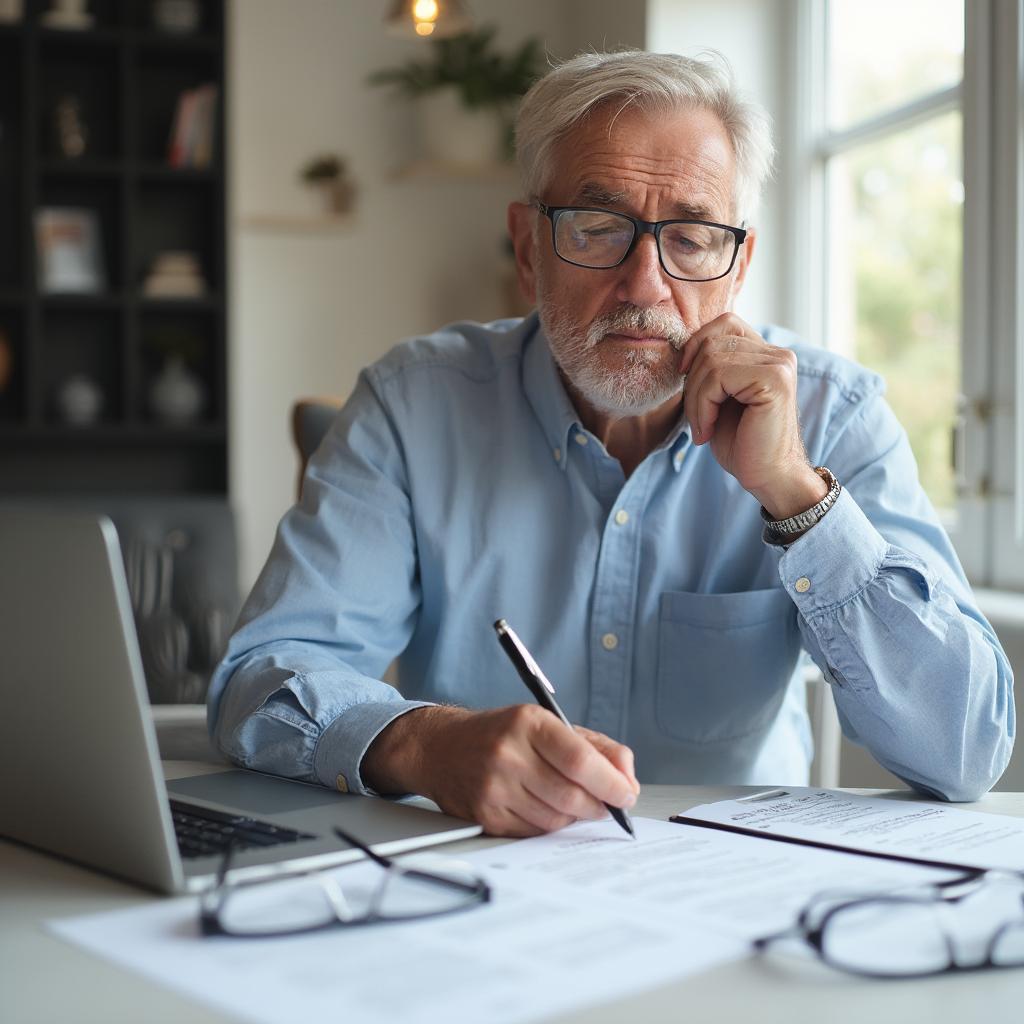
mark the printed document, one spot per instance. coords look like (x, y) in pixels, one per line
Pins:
(579, 917)
(703, 880)
(933, 832)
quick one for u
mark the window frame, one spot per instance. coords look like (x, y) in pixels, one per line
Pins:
(989, 528)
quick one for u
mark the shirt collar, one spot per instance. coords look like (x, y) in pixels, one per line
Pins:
(554, 409)
(546, 393)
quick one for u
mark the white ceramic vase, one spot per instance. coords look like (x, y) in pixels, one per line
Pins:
(80, 401)
(177, 396)
(452, 133)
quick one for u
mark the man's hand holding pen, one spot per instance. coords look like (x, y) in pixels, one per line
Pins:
(516, 770)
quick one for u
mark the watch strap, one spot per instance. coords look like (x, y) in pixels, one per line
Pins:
(784, 531)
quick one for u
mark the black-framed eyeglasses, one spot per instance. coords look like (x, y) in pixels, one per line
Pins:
(968, 923)
(315, 900)
(689, 250)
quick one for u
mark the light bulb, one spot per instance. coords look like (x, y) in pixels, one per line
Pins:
(425, 10)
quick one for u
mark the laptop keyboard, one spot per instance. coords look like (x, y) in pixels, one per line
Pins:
(202, 832)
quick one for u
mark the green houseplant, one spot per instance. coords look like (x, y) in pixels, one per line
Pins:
(466, 91)
(328, 175)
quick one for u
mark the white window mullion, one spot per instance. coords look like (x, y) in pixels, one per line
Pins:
(897, 119)
(1007, 227)
(806, 197)
(974, 441)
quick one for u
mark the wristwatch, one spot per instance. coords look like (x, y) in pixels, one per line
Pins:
(785, 531)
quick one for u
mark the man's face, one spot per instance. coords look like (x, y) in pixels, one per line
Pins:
(616, 332)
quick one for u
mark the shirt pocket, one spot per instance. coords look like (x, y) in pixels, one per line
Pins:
(724, 661)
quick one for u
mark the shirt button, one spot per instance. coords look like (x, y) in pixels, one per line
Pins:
(558, 454)
(581, 438)
(609, 641)
(622, 517)
(802, 585)
(680, 455)
(342, 783)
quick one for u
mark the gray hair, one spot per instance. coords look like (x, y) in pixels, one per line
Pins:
(651, 82)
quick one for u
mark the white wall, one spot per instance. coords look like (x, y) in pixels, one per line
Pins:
(753, 36)
(309, 310)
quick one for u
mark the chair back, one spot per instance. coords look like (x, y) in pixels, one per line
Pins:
(311, 419)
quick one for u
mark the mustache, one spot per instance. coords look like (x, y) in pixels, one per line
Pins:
(656, 323)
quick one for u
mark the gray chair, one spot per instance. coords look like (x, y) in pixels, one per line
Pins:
(311, 419)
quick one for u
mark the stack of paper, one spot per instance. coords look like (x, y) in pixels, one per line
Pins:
(579, 917)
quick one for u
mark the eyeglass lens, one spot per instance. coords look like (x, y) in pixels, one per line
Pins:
(908, 936)
(600, 239)
(314, 901)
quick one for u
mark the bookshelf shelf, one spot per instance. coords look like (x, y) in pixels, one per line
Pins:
(152, 171)
(126, 78)
(57, 168)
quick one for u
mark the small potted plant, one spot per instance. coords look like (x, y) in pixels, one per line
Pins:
(466, 93)
(328, 174)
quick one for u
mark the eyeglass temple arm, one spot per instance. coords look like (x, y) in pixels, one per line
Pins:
(384, 862)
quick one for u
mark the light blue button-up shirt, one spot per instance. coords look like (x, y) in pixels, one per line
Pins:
(458, 486)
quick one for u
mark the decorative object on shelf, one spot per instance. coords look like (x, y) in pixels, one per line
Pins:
(71, 133)
(178, 16)
(11, 11)
(328, 176)
(193, 130)
(68, 254)
(175, 275)
(6, 361)
(466, 95)
(428, 19)
(68, 14)
(177, 396)
(79, 400)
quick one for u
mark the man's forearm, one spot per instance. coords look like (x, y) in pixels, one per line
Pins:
(397, 760)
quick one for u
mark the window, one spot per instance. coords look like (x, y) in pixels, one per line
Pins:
(891, 155)
(908, 191)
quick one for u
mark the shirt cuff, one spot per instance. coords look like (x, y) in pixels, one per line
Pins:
(834, 560)
(340, 749)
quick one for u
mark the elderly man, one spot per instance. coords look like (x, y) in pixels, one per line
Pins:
(667, 505)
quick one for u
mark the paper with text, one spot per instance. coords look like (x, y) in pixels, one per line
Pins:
(926, 831)
(579, 917)
(697, 877)
(536, 950)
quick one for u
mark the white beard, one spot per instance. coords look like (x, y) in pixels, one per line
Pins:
(649, 378)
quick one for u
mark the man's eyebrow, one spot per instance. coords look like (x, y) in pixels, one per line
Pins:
(592, 194)
(694, 211)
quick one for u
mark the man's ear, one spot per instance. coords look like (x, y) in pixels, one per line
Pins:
(739, 274)
(520, 230)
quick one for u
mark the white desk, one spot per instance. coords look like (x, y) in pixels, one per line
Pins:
(43, 979)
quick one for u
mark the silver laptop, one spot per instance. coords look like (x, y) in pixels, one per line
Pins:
(80, 772)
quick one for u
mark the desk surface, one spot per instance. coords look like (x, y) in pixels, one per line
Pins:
(43, 979)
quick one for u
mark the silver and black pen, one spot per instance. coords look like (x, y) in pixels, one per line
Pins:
(544, 693)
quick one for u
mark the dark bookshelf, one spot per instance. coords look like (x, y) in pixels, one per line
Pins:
(126, 75)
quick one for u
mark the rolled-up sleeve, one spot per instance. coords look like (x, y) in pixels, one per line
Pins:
(885, 610)
(299, 691)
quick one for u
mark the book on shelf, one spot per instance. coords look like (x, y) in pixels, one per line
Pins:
(175, 275)
(193, 130)
(69, 251)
